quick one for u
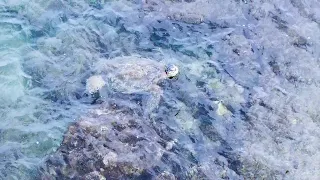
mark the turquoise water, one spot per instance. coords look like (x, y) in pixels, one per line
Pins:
(245, 104)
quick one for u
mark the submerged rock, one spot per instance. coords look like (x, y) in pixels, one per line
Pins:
(112, 141)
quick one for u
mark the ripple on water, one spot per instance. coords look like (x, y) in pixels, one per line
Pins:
(256, 60)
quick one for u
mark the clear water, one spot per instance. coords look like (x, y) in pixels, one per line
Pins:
(247, 95)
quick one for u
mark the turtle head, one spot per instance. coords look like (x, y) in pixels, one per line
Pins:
(171, 70)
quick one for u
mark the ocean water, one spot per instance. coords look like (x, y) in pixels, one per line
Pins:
(245, 105)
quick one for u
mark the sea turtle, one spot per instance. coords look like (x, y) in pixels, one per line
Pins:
(131, 74)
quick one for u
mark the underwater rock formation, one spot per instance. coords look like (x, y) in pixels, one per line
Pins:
(112, 141)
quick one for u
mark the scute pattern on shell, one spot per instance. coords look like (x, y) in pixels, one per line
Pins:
(131, 73)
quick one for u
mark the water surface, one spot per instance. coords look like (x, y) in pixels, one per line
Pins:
(245, 104)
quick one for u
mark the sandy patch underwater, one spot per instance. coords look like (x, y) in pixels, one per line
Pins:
(245, 105)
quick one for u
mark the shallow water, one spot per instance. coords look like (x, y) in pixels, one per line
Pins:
(245, 104)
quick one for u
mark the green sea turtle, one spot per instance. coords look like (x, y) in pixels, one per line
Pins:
(131, 74)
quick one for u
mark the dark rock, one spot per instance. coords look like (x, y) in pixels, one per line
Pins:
(110, 141)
